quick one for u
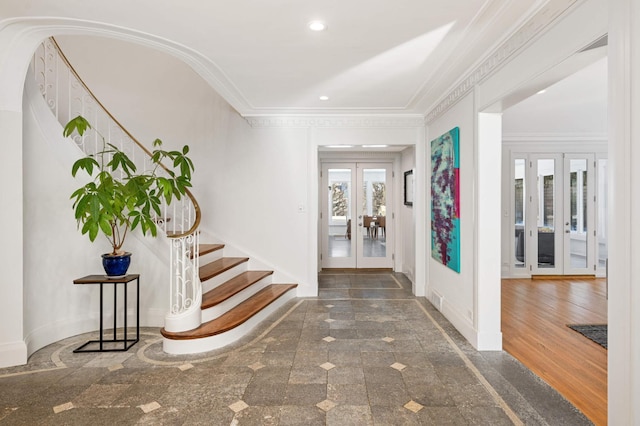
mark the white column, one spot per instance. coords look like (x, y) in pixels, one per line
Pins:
(421, 199)
(15, 55)
(13, 350)
(624, 212)
(488, 227)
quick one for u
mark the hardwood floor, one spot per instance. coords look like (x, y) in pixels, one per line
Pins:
(534, 318)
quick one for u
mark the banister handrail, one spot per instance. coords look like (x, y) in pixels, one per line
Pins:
(67, 95)
(196, 206)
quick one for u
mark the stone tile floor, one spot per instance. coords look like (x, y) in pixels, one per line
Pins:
(365, 352)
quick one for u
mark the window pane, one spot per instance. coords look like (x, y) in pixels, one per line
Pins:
(603, 251)
(546, 213)
(339, 217)
(374, 206)
(578, 235)
(519, 212)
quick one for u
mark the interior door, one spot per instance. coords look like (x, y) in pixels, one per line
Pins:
(554, 214)
(373, 224)
(545, 214)
(356, 223)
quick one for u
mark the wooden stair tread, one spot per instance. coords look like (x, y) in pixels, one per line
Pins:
(219, 266)
(236, 316)
(232, 287)
(209, 248)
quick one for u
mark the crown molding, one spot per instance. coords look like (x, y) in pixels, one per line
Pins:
(516, 138)
(337, 121)
(534, 26)
(333, 156)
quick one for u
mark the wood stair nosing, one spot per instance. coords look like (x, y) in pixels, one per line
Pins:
(232, 287)
(236, 316)
(219, 266)
(208, 248)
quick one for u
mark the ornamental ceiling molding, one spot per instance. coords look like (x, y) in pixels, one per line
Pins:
(343, 121)
(527, 138)
(534, 26)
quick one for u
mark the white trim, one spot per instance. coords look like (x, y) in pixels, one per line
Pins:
(521, 38)
(13, 353)
(336, 121)
(41, 27)
(523, 138)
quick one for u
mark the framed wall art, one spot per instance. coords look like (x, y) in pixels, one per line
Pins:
(445, 199)
(408, 188)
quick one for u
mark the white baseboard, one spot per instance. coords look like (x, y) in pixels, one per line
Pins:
(480, 341)
(59, 330)
(12, 354)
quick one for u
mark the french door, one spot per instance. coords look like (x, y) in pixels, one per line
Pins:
(554, 214)
(356, 217)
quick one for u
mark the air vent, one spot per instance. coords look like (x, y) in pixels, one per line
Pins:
(436, 300)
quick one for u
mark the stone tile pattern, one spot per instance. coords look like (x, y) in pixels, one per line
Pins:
(362, 353)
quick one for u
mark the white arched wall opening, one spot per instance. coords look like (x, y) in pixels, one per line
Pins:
(19, 38)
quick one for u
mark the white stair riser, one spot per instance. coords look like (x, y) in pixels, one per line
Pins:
(215, 311)
(214, 282)
(187, 321)
(179, 347)
(210, 257)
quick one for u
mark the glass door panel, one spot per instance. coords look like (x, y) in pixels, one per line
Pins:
(338, 240)
(601, 198)
(579, 221)
(519, 212)
(374, 187)
(546, 213)
(576, 221)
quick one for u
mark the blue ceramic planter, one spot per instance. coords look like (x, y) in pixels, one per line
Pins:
(116, 266)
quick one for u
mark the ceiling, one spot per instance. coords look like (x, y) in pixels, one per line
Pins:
(575, 105)
(375, 57)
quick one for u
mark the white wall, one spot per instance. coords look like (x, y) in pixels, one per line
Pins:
(251, 184)
(408, 219)
(518, 77)
(457, 289)
(55, 252)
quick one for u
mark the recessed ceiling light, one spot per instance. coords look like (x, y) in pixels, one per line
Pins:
(324, 98)
(542, 91)
(375, 146)
(317, 26)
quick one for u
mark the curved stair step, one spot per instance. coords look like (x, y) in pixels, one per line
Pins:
(209, 248)
(219, 266)
(232, 287)
(236, 316)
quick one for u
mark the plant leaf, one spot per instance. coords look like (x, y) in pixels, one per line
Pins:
(80, 124)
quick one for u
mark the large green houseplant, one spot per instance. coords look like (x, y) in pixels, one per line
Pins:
(119, 198)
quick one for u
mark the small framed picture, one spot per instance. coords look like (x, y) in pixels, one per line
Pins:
(408, 188)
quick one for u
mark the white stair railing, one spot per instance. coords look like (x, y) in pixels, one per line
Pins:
(67, 96)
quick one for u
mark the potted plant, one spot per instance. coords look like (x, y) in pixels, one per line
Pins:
(119, 199)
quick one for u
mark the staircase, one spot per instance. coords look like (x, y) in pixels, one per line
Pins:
(235, 299)
(214, 300)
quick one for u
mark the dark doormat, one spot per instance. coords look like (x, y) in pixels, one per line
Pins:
(595, 332)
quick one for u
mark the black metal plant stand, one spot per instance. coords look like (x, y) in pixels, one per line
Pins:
(115, 342)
